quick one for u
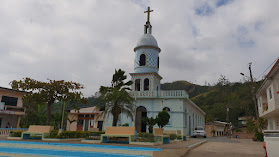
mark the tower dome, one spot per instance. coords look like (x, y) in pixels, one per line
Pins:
(147, 40)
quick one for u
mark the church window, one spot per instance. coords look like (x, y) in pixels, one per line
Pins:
(166, 109)
(158, 63)
(146, 84)
(142, 61)
(137, 85)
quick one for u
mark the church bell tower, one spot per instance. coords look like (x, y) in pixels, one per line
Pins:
(146, 63)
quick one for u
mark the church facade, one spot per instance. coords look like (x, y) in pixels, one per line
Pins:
(150, 99)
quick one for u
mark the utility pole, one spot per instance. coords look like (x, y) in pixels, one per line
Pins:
(63, 110)
(253, 91)
(228, 122)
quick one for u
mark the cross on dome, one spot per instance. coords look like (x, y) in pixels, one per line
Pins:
(148, 13)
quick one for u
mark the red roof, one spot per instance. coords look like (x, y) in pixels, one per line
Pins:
(277, 62)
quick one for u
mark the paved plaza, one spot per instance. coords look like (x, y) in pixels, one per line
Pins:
(223, 147)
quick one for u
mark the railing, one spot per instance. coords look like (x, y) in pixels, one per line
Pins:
(160, 94)
(6, 131)
(14, 108)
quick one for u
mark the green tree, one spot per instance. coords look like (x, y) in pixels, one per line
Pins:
(150, 122)
(116, 99)
(257, 127)
(49, 92)
(162, 119)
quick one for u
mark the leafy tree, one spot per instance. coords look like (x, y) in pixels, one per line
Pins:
(163, 118)
(257, 127)
(150, 122)
(34, 114)
(116, 99)
(49, 92)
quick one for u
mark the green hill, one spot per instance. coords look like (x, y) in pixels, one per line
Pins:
(215, 99)
(192, 89)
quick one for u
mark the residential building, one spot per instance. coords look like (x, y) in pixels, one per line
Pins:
(85, 119)
(216, 128)
(268, 98)
(268, 107)
(11, 107)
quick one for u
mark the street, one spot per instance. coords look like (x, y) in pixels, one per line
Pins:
(224, 147)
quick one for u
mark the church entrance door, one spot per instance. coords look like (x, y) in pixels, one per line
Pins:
(141, 113)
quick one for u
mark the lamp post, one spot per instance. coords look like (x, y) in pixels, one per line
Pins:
(252, 90)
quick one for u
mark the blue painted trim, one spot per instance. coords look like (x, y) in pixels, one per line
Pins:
(195, 144)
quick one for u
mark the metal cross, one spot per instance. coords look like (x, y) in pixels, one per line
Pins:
(148, 13)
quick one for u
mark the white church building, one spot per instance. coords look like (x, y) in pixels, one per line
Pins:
(150, 99)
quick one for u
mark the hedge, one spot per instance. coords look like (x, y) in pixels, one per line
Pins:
(16, 133)
(79, 134)
(173, 136)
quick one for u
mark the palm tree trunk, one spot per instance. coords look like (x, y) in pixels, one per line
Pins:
(115, 120)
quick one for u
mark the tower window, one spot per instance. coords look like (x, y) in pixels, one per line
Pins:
(137, 85)
(158, 63)
(146, 84)
(142, 61)
(166, 109)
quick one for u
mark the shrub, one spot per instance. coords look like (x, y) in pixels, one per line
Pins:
(75, 134)
(162, 119)
(146, 135)
(53, 134)
(173, 136)
(126, 124)
(146, 140)
(16, 133)
(179, 137)
(259, 136)
(97, 133)
(238, 130)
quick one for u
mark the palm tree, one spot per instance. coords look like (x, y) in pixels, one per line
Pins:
(150, 122)
(115, 99)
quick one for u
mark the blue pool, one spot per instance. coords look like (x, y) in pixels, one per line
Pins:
(52, 152)
(70, 153)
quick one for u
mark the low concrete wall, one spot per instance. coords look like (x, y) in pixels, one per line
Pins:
(242, 135)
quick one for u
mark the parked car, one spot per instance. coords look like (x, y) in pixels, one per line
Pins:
(199, 132)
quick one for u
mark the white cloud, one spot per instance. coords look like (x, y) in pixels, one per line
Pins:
(84, 41)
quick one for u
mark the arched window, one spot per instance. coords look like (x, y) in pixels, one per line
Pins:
(137, 85)
(166, 109)
(158, 63)
(146, 84)
(142, 61)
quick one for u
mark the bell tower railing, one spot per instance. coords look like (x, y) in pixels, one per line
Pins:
(160, 94)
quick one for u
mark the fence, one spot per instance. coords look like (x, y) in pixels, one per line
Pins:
(6, 131)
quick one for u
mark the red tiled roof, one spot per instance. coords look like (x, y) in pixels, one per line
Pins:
(277, 62)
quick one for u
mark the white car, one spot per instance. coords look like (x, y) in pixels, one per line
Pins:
(199, 131)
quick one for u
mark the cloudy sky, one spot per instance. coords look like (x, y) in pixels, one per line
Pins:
(85, 40)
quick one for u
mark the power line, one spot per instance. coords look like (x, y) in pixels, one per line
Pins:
(268, 67)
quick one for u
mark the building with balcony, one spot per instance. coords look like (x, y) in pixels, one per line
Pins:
(268, 98)
(150, 99)
(85, 119)
(11, 107)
